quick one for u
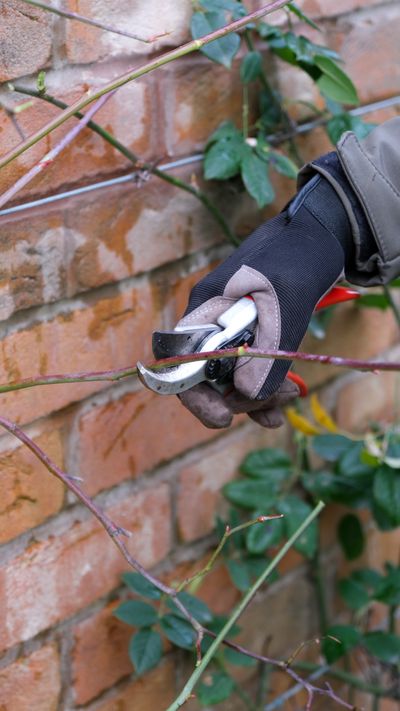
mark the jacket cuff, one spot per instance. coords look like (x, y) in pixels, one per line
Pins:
(363, 264)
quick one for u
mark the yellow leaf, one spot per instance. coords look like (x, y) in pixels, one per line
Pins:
(300, 423)
(321, 416)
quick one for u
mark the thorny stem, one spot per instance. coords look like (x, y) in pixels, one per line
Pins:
(141, 165)
(116, 532)
(348, 678)
(227, 534)
(240, 608)
(132, 74)
(54, 152)
(121, 373)
(93, 23)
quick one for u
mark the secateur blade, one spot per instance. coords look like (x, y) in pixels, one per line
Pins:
(175, 379)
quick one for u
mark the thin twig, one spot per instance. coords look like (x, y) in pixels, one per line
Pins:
(117, 374)
(142, 165)
(93, 23)
(49, 158)
(117, 532)
(132, 74)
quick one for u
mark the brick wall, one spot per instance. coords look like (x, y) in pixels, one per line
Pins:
(83, 283)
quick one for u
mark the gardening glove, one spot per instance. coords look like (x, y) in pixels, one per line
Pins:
(287, 265)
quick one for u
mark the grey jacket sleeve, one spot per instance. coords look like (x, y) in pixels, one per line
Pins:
(372, 167)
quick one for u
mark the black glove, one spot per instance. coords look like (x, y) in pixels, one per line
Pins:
(287, 265)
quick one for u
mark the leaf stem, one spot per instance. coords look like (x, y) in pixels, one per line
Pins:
(241, 607)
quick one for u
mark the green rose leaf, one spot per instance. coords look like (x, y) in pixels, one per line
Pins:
(339, 640)
(221, 50)
(251, 494)
(140, 585)
(386, 493)
(196, 607)
(384, 646)
(353, 593)
(255, 178)
(145, 650)
(334, 82)
(251, 67)
(215, 687)
(351, 536)
(179, 631)
(269, 464)
(136, 613)
(295, 511)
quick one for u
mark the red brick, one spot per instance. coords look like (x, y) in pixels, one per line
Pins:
(55, 578)
(25, 39)
(200, 483)
(190, 89)
(100, 655)
(29, 493)
(321, 9)
(368, 43)
(88, 155)
(370, 398)
(87, 44)
(31, 682)
(114, 332)
(139, 431)
(354, 332)
(155, 690)
(215, 588)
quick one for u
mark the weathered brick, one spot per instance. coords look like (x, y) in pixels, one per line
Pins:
(353, 332)
(190, 88)
(88, 44)
(100, 654)
(124, 115)
(124, 438)
(368, 43)
(59, 576)
(369, 398)
(32, 682)
(25, 39)
(155, 690)
(112, 333)
(200, 483)
(88, 241)
(29, 493)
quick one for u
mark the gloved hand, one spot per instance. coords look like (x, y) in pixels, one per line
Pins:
(287, 265)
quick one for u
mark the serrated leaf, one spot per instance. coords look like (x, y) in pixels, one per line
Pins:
(197, 608)
(342, 122)
(239, 574)
(383, 645)
(221, 50)
(223, 159)
(283, 165)
(251, 67)
(295, 511)
(333, 487)
(145, 650)
(386, 491)
(255, 178)
(140, 585)
(294, 8)
(353, 593)
(238, 659)
(136, 613)
(251, 494)
(215, 687)
(347, 637)
(388, 588)
(350, 464)
(226, 129)
(351, 536)
(262, 536)
(331, 446)
(178, 631)
(334, 82)
(268, 463)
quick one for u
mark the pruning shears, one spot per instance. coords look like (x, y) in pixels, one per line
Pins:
(234, 328)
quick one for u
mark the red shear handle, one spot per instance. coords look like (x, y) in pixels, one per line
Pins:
(336, 295)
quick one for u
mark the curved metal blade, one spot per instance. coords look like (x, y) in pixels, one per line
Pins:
(174, 380)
